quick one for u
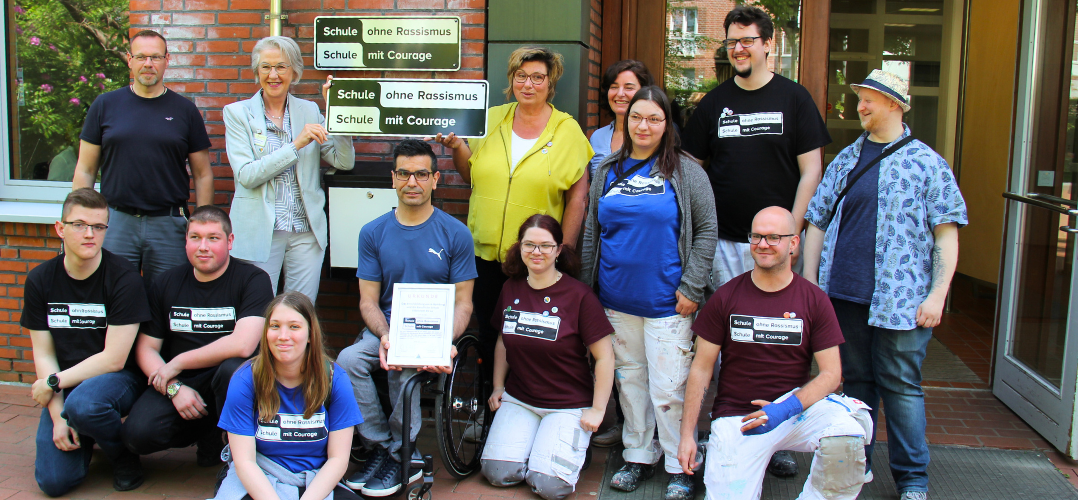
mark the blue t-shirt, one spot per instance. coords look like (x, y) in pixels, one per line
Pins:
(438, 251)
(639, 265)
(295, 443)
(600, 142)
(855, 279)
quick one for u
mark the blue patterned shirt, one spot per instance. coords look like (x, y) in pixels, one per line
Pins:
(917, 192)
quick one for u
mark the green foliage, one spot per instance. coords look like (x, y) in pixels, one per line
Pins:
(67, 53)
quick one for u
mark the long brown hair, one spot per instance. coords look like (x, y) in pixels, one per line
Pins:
(316, 380)
(567, 262)
(668, 155)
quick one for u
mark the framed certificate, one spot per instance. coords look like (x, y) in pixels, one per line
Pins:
(421, 325)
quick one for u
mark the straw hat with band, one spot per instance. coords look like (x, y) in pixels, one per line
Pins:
(889, 85)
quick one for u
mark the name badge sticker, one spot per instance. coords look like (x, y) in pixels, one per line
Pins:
(764, 330)
(63, 315)
(529, 324)
(202, 319)
(291, 427)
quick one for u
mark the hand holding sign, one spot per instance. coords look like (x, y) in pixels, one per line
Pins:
(311, 132)
(326, 86)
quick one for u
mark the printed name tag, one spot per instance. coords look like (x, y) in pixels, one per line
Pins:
(202, 319)
(530, 324)
(639, 186)
(291, 427)
(750, 124)
(63, 315)
(260, 140)
(766, 330)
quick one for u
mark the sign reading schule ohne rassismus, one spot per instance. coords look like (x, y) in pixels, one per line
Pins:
(407, 107)
(387, 43)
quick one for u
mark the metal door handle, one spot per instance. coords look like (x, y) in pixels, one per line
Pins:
(1040, 204)
(1053, 199)
(1068, 229)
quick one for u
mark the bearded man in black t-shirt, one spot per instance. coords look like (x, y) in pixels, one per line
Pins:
(207, 319)
(83, 309)
(762, 135)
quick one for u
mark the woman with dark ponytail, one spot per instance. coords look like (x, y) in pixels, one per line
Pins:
(550, 400)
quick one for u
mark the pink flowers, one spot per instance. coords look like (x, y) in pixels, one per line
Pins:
(19, 10)
(100, 75)
(35, 40)
(75, 101)
(46, 87)
(83, 79)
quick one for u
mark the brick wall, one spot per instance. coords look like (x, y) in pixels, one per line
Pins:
(210, 42)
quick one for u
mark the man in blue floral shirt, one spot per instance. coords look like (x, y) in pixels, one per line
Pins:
(895, 233)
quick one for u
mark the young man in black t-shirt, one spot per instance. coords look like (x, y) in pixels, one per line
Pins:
(142, 138)
(206, 321)
(763, 136)
(83, 309)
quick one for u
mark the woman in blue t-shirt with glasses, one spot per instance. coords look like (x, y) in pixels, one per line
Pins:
(649, 238)
(289, 413)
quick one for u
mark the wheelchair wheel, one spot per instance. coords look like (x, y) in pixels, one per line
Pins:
(462, 404)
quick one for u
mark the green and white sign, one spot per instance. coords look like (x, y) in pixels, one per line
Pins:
(430, 43)
(407, 107)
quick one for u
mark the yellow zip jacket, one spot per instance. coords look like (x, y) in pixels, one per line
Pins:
(501, 201)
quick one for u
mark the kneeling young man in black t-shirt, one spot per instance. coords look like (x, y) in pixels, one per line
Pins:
(206, 321)
(770, 324)
(83, 309)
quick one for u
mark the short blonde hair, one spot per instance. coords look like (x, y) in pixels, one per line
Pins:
(555, 66)
(289, 49)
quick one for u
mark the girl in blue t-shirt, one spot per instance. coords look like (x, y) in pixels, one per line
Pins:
(289, 413)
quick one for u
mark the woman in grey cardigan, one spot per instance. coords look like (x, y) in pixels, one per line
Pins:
(649, 238)
(275, 142)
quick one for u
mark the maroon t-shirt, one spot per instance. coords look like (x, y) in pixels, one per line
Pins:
(767, 339)
(546, 335)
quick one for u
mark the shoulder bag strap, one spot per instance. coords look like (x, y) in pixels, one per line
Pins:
(853, 180)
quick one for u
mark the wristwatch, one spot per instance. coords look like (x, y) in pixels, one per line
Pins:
(54, 382)
(173, 389)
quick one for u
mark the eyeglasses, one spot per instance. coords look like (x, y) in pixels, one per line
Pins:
(536, 78)
(80, 226)
(772, 239)
(731, 43)
(420, 175)
(545, 248)
(635, 118)
(154, 59)
(266, 69)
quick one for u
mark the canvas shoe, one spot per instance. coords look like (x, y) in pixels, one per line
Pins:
(630, 475)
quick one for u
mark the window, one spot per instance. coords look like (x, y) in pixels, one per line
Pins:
(683, 30)
(58, 60)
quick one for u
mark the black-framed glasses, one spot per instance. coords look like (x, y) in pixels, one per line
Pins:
(81, 226)
(536, 78)
(635, 118)
(772, 239)
(746, 41)
(420, 175)
(265, 69)
(154, 59)
(545, 248)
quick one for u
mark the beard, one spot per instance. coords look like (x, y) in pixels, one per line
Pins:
(148, 79)
(743, 74)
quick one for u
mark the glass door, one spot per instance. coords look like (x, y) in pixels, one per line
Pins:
(1036, 366)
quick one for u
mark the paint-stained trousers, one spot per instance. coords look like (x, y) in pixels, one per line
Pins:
(651, 364)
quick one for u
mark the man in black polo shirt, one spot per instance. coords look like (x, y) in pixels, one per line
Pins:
(141, 137)
(83, 309)
(206, 321)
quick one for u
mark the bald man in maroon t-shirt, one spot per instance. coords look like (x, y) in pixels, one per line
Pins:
(769, 324)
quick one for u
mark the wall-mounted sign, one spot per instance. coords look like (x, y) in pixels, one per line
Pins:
(387, 43)
(406, 107)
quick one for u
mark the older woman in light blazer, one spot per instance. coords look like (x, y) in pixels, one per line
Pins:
(274, 142)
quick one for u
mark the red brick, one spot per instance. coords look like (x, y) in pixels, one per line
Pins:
(187, 60)
(8, 253)
(8, 265)
(466, 4)
(193, 18)
(21, 241)
(473, 18)
(240, 18)
(186, 32)
(370, 4)
(151, 5)
(249, 5)
(174, 5)
(138, 19)
(217, 87)
(21, 341)
(230, 32)
(215, 73)
(9, 304)
(37, 254)
(420, 4)
(23, 366)
(218, 46)
(206, 4)
(230, 60)
(953, 439)
(180, 46)
(9, 377)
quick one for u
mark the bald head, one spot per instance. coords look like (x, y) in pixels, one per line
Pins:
(777, 218)
(773, 257)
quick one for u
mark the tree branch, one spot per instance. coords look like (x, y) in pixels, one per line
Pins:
(102, 38)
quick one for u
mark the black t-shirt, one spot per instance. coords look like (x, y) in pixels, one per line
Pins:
(189, 314)
(753, 139)
(78, 312)
(144, 147)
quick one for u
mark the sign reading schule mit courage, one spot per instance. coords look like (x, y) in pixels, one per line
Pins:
(407, 107)
(387, 43)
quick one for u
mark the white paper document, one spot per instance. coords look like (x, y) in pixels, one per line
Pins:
(421, 325)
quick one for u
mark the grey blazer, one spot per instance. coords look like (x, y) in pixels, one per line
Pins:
(253, 168)
(697, 238)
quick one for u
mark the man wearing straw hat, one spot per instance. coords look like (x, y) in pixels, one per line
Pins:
(888, 208)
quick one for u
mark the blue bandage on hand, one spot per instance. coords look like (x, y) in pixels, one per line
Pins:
(777, 413)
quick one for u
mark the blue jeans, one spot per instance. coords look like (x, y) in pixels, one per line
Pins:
(878, 363)
(152, 244)
(94, 409)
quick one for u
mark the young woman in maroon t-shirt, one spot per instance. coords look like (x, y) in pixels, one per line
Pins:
(548, 400)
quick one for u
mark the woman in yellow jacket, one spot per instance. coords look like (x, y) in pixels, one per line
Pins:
(533, 160)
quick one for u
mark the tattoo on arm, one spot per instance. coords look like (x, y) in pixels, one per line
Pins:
(937, 266)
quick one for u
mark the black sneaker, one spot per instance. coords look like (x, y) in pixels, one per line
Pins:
(630, 475)
(680, 487)
(782, 464)
(127, 472)
(387, 481)
(375, 460)
(208, 449)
